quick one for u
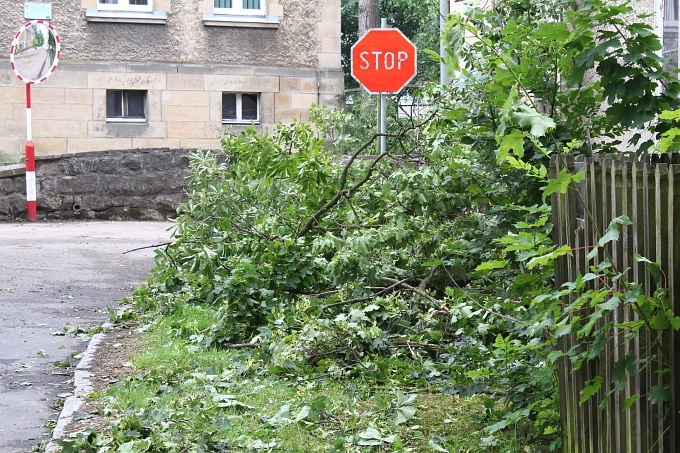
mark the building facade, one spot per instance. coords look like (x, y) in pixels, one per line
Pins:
(142, 74)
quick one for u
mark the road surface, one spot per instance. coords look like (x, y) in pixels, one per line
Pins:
(53, 275)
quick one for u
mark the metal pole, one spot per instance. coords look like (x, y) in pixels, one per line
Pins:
(31, 206)
(383, 108)
(444, 10)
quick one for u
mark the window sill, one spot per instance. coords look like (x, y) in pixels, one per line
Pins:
(126, 17)
(125, 120)
(241, 123)
(233, 20)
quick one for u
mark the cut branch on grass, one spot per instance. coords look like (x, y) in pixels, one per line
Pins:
(380, 292)
(241, 345)
(420, 292)
(476, 302)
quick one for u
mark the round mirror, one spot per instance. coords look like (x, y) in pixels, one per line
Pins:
(34, 54)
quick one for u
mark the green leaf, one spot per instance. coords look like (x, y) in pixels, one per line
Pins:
(591, 389)
(283, 414)
(549, 257)
(78, 415)
(561, 182)
(654, 268)
(303, 414)
(551, 31)
(611, 304)
(319, 403)
(528, 117)
(435, 445)
(659, 394)
(496, 426)
(612, 233)
(630, 401)
(128, 447)
(659, 322)
(674, 320)
(512, 142)
(434, 56)
(592, 254)
(564, 330)
(403, 414)
(623, 367)
(230, 401)
(670, 115)
(490, 265)
(370, 437)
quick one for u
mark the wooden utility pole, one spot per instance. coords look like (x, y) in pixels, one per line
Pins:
(369, 16)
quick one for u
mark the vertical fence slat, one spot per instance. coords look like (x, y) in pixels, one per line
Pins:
(567, 405)
(626, 316)
(636, 192)
(673, 287)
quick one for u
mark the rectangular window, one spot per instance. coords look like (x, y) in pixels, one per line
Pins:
(126, 106)
(247, 7)
(125, 5)
(243, 108)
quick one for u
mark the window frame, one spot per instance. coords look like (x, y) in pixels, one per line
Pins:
(125, 118)
(239, 108)
(237, 9)
(124, 5)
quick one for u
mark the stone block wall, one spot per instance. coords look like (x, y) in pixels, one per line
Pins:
(110, 185)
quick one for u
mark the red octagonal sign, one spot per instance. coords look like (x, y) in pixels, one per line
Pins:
(383, 60)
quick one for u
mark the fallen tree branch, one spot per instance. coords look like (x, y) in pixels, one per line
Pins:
(240, 345)
(342, 191)
(488, 310)
(420, 292)
(148, 247)
(367, 298)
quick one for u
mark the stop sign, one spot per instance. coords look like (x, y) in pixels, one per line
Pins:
(383, 60)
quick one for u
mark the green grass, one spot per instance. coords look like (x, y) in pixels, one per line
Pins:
(182, 397)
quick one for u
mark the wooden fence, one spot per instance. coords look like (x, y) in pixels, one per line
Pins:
(646, 190)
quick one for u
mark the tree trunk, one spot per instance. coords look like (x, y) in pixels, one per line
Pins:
(369, 16)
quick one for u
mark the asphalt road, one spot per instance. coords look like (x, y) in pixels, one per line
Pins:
(53, 275)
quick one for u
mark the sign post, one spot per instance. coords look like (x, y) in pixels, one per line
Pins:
(382, 130)
(384, 60)
(34, 55)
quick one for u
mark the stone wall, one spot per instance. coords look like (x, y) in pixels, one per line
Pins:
(112, 185)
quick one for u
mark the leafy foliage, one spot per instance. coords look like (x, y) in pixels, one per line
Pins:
(429, 266)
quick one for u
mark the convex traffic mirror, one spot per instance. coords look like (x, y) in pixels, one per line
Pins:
(34, 54)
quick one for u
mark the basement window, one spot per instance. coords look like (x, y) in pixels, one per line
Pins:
(240, 108)
(126, 106)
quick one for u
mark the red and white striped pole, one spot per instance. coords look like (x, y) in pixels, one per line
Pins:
(51, 48)
(31, 204)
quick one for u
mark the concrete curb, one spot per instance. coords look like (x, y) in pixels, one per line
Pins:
(82, 388)
(7, 171)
